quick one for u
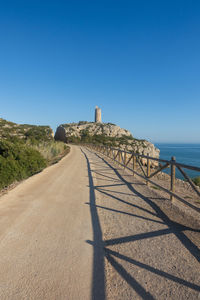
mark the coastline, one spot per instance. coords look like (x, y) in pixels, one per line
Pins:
(185, 153)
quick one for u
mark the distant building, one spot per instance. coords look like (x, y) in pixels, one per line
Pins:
(98, 115)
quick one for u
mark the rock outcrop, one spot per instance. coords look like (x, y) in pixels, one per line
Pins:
(107, 134)
(91, 128)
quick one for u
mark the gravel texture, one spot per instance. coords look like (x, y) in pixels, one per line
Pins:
(44, 226)
(85, 229)
(151, 250)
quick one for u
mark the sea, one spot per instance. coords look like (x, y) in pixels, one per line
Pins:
(188, 154)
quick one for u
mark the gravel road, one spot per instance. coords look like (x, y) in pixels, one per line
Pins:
(151, 250)
(44, 225)
(82, 229)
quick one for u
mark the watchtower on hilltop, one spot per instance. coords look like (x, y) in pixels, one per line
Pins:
(98, 115)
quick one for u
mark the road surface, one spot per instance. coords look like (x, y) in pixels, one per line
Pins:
(82, 229)
(44, 225)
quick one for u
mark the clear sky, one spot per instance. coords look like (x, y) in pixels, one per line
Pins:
(137, 60)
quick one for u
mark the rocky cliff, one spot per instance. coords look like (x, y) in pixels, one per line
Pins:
(83, 128)
(104, 133)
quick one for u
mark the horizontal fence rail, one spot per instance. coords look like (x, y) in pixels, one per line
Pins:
(124, 158)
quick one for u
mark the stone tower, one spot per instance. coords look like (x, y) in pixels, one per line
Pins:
(98, 115)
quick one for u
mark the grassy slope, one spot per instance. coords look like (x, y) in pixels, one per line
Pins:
(26, 150)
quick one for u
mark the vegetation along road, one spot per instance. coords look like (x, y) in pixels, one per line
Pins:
(83, 229)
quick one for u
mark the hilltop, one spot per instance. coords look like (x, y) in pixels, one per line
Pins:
(91, 131)
(106, 134)
(11, 131)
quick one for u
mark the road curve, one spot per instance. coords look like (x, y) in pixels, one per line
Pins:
(44, 226)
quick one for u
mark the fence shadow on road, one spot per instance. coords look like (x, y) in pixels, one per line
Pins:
(101, 249)
(174, 227)
(98, 276)
(98, 285)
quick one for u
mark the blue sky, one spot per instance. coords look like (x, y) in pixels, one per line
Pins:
(137, 60)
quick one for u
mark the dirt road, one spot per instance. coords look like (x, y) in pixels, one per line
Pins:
(151, 249)
(44, 225)
(82, 229)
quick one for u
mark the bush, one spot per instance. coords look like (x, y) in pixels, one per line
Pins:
(73, 139)
(50, 149)
(37, 134)
(82, 122)
(24, 132)
(196, 180)
(17, 162)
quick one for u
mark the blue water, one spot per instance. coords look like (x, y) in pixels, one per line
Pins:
(188, 154)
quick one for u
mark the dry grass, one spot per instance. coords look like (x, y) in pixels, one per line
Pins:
(51, 150)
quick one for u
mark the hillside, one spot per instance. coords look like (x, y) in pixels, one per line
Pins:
(106, 134)
(25, 150)
(12, 131)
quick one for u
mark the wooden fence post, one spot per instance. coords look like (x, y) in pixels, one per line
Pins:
(115, 156)
(119, 157)
(110, 154)
(124, 160)
(134, 164)
(173, 176)
(148, 168)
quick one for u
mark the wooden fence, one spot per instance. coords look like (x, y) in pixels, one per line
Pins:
(127, 158)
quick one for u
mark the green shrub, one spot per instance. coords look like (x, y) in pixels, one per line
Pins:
(9, 171)
(37, 134)
(196, 180)
(82, 122)
(54, 151)
(24, 132)
(18, 161)
(25, 150)
(50, 149)
(73, 139)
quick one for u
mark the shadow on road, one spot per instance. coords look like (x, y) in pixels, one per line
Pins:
(101, 249)
(98, 276)
(174, 227)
